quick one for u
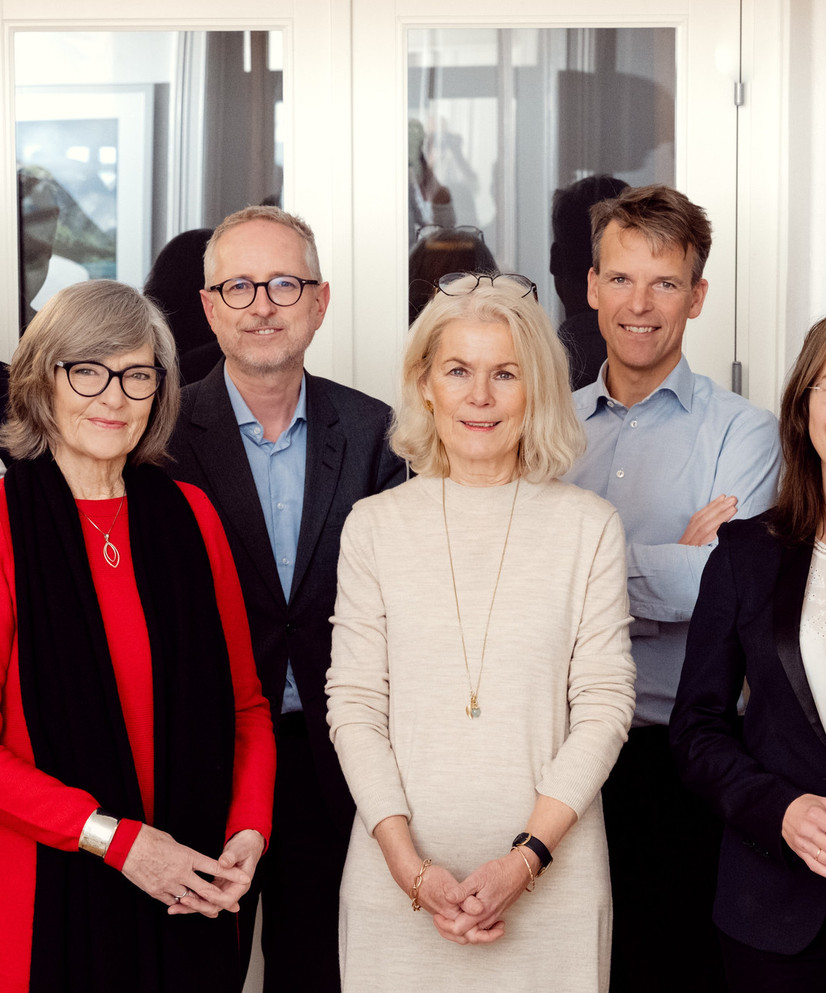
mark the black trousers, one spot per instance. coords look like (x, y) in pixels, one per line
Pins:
(663, 846)
(749, 970)
(298, 878)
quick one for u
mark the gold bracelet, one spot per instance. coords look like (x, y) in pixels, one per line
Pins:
(532, 884)
(414, 891)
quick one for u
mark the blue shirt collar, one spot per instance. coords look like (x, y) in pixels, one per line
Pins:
(245, 417)
(680, 382)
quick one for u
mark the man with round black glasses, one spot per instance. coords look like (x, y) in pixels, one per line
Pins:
(284, 455)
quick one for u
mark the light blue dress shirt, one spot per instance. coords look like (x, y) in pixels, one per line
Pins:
(278, 470)
(658, 462)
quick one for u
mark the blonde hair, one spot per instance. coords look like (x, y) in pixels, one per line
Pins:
(263, 212)
(552, 436)
(87, 321)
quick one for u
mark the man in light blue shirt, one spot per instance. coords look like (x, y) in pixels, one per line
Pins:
(284, 455)
(678, 456)
(278, 473)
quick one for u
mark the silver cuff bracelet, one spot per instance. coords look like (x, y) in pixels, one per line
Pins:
(98, 832)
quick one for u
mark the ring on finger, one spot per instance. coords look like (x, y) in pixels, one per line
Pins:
(186, 890)
(817, 857)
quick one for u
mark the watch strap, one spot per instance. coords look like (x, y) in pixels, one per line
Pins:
(537, 847)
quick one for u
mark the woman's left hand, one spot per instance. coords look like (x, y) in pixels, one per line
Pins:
(160, 867)
(489, 891)
(242, 851)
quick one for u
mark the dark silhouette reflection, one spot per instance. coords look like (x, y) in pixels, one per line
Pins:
(441, 250)
(570, 262)
(174, 282)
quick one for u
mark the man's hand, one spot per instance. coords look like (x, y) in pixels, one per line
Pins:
(702, 528)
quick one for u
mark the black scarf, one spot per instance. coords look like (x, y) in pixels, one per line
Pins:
(94, 931)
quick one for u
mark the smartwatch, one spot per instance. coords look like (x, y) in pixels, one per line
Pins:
(536, 846)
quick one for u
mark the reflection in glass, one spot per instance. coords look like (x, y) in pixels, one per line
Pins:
(440, 250)
(499, 119)
(126, 139)
(77, 159)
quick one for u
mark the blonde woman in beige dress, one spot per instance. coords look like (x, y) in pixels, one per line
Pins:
(481, 683)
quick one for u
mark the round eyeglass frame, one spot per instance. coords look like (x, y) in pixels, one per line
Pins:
(443, 283)
(113, 374)
(266, 284)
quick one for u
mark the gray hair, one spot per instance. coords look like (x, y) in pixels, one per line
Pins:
(87, 321)
(263, 212)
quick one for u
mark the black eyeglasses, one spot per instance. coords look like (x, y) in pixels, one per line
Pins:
(283, 291)
(90, 379)
(449, 284)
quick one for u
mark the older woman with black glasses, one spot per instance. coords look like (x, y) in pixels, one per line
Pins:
(136, 749)
(481, 683)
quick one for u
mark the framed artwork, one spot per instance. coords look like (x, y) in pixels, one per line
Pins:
(84, 161)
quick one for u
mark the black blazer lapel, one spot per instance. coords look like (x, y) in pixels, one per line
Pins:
(788, 604)
(325, 454)
(218, 446)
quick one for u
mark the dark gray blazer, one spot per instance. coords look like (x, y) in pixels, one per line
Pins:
(347, 459)
(746, 624)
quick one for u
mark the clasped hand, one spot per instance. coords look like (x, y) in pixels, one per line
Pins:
(804, 830)
(168, 871)
(470, 912)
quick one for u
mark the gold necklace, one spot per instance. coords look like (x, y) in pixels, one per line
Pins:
(473, 709)
(110, 553)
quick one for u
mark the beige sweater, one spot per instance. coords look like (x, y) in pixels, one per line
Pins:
(556, 696)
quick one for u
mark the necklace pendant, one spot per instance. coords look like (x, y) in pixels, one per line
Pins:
(110, 553)
(473, 710)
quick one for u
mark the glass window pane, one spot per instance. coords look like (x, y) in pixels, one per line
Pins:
(498, 120)
(126, 139)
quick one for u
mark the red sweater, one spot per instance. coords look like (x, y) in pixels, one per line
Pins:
(35, 807)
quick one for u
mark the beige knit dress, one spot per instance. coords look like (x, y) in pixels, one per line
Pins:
(556, 699)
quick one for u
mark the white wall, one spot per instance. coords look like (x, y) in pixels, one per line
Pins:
(806, 262)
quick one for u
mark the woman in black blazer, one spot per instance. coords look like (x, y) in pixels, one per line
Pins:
(761, 616)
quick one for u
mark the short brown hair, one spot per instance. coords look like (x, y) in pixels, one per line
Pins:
(87, 321)
(263, 212)
(800, 504)
(664, 216)
(552, 436)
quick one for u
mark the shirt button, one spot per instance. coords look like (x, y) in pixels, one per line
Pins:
(280, 506)
(610, 403)
(285, 561)
(256, 430)
(633, 424)
(620, 473)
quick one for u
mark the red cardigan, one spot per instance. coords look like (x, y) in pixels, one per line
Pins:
(35, 807)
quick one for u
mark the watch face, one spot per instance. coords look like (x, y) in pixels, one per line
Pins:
(520, 839)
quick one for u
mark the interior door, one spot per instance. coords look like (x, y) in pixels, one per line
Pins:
(515, 104)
